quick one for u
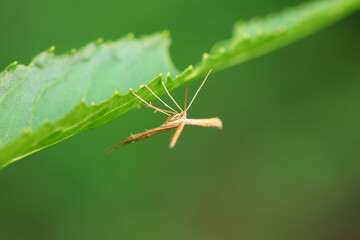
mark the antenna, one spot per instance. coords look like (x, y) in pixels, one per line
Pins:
(171, 96)
(186, 93)
(198, 91)
(160, 99)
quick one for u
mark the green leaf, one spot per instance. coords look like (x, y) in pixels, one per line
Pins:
(56, 97)
(59, 96)
(262, 35)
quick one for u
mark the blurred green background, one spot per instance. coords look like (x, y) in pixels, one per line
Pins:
(285, 166)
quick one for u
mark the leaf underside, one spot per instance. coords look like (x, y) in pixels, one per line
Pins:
(57, 96)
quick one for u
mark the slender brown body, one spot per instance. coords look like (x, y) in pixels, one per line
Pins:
(176, 121)
(169, 125)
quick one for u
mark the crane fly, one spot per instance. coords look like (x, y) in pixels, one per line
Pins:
(176, 120)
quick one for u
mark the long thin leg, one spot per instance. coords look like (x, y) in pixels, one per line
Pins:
(171, 97)
(198, 90)
(186, 94)
(176, 135)
(167, 111)
(160, 99)
(149, 105)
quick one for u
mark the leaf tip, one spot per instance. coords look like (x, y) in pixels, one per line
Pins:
(130, 36)
(205, 56)
(166, 33)
(168, 75)
(160, 75)
(83, 100)
(116, 92)
(46, 121)
(73, 51)
(12, 66)
(99, 40)
(191, 67)
(52, 48)
(92, 103)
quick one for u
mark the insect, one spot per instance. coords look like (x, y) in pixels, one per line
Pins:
(176, 120)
